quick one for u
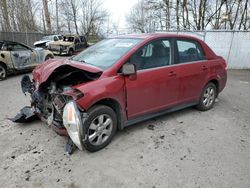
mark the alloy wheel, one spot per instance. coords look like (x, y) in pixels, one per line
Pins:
(209, 96)
(100, 129)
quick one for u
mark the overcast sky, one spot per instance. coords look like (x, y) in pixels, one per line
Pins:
(118, 10)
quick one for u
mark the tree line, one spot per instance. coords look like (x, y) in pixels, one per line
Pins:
(89, 17)
(151, 15)
(53, 16)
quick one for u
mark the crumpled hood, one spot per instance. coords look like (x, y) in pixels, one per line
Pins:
(61, 43)
(42, 72)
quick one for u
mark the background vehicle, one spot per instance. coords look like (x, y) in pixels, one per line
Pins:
(125, 80)
(17, 57)
(46, 40)
(69, 45)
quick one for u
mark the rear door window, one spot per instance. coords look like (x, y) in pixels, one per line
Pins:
(188, 51)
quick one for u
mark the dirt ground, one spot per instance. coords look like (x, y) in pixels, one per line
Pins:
(187, 148)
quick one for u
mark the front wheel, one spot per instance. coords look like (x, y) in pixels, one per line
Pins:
(101, 127)
(208, 97)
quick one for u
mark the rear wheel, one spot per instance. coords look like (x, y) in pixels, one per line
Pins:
(208, 97)
(101, 127)
(3, 72)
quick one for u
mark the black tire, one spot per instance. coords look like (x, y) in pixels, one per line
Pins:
(48, 57)
(95, 112)
(3, 72)
(207, 98)
(71, 52)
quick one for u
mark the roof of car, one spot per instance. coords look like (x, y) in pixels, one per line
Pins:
(154, 35)
(8, 41)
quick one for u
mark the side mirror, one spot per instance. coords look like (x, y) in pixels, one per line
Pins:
(128, 69)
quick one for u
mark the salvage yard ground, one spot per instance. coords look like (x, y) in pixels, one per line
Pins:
(187, 148)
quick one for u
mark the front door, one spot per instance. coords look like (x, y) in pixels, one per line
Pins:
(22, 57)
(155, 85)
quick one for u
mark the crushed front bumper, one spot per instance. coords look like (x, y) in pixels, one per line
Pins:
(65, 118)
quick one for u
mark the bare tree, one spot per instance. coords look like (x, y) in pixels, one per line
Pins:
(57, 18)
(47, 16)
(5, 15)
(142, 17)
(93, 17)
(74, 8)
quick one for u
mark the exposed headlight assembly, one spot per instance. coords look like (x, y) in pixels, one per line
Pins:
(73, 123)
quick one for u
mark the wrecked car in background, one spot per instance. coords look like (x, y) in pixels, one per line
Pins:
(69, 45)
(46, 40)
(121, 81)
(17, 57)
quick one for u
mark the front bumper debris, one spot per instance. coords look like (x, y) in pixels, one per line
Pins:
(25, 115)
(51, 90)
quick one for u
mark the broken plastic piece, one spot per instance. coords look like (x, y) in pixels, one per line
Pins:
(26, 114)
(27, 84)
(70, 147)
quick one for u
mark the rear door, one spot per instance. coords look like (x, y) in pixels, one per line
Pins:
(155, 86)
(193, 69)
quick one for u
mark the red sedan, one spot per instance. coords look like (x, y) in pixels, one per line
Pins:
(121, 81)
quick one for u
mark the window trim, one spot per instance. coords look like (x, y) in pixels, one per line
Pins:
(176, 56)
(172, 49)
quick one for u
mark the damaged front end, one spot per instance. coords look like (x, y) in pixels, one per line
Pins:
(53, 100)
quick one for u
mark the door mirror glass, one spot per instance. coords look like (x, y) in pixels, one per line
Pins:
(128, 69)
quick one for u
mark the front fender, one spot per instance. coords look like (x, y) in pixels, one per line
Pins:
(106, 88)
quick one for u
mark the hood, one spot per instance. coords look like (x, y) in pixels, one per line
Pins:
(41, 42)
(62, 43)
(42, 72)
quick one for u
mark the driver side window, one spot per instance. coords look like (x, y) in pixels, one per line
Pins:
(152, 55)
(19, 47)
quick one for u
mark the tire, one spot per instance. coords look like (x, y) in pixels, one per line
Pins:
(71, 51)
(48, 57)
(3, 72)
(100, 135)
(208, 97)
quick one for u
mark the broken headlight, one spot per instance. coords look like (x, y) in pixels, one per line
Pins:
(73, 123)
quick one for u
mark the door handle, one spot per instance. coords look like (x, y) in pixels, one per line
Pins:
(204, 67)
(171, 73)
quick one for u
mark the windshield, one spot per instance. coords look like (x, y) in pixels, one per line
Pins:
(107, 52)
(68, 39)
(46, 38)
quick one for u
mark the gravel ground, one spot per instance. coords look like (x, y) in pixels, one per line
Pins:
(187, 148)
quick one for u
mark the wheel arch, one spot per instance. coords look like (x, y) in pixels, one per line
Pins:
(115, 105)
(4, 64)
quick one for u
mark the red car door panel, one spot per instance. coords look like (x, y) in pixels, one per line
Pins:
(152, 90)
